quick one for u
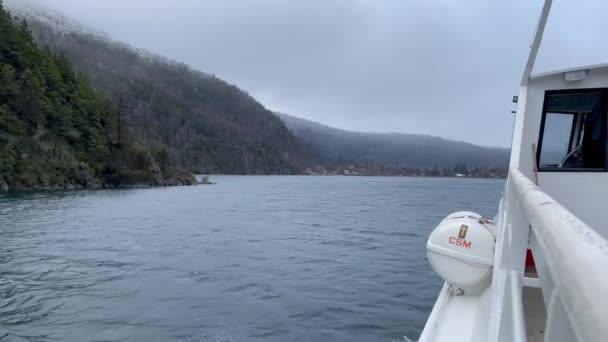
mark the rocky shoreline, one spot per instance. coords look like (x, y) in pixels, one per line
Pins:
(96, 184)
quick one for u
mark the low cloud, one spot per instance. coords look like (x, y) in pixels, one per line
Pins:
(446, 68)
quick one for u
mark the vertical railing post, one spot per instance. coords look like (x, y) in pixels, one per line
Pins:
(507, 321)
(517, 227)
(542, 269)
(517, 310)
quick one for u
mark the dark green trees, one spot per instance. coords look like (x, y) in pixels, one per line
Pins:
(55, 131)
(206, 124)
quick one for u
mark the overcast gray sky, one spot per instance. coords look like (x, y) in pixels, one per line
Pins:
(445, 67)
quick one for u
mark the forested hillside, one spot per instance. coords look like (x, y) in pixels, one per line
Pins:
(207, 125)
(56, 132)
(392, 149)
(169, 114)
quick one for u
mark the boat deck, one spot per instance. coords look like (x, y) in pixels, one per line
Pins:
(459, 318)
(534, 309)
(465, 318)
(534, 313)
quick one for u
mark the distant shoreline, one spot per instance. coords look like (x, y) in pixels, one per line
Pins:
(149, 186)
(359, 176)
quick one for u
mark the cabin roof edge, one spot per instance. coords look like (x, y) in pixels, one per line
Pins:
(561, 71)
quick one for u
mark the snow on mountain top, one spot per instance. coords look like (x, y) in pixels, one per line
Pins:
(33, 10)
(48, 16)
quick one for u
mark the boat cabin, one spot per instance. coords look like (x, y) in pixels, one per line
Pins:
(560, 140)
(551, 242)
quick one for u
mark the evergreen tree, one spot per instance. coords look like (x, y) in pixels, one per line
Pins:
(54, 128)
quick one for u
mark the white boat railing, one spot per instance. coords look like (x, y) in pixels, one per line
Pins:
(572, 264)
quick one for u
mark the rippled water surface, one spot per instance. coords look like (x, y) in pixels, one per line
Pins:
(248, 259)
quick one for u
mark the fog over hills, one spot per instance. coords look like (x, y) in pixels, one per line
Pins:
(210, 126)
(206, 124)
(393, 149)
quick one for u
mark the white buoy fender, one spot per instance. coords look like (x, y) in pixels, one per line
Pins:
(461, 251)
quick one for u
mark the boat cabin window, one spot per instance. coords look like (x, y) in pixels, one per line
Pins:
(573, 131)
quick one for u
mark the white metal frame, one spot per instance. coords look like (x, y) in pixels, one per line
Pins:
(571, 261)
(538, 37)
(571, 258)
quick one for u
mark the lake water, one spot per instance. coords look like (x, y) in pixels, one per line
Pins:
(265, 258)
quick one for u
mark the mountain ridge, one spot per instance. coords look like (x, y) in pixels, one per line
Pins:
(393, 148)
(388, 133)
(207, 124)
(211, 126)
